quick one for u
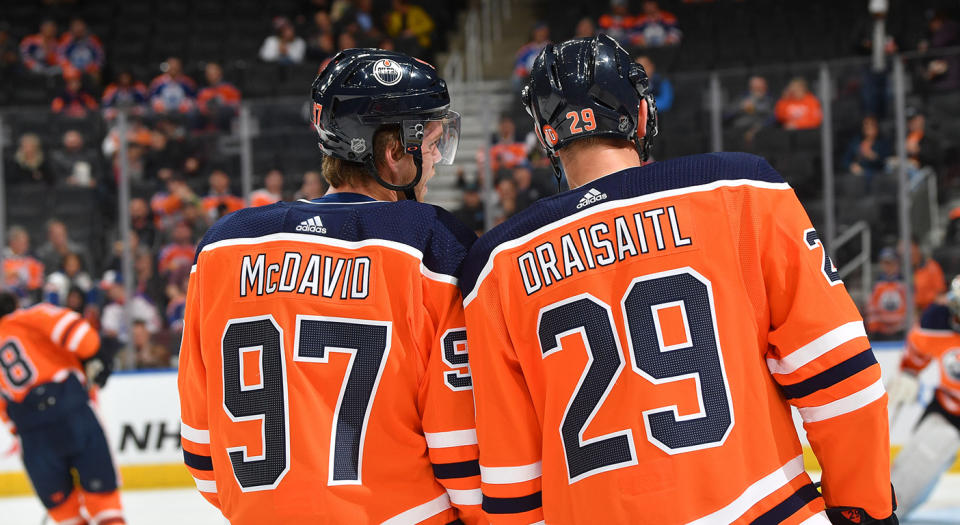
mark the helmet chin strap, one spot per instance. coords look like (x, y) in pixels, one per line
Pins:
(408, 189)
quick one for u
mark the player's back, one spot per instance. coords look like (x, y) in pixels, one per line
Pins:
(314, 323)
(642, 309)
(43, 346)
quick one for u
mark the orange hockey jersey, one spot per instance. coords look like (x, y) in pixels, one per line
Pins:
(323, 371)
(636, 345)
(38, 345)
(935, 339)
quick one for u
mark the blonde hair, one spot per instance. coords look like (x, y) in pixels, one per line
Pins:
(339, 172)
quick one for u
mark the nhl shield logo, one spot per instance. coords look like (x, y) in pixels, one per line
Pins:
(387, 72)
(358, 146)
(624, 123)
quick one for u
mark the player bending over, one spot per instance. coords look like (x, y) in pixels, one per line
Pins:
(323, 372)
(934, 443)
(637, 342)
(44, 351)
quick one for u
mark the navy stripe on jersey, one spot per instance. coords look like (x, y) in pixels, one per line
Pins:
(443, 241)
(197, 462)
(831, 376)
(69, 331)
(512, 505)
(694, 170)
(463, 469)
(789, 506)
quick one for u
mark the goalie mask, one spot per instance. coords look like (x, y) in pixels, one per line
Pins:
(362, 90)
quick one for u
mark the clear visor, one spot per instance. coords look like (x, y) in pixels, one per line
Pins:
(438, 138)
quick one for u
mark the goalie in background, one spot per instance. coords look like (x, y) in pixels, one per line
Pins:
(933, 445)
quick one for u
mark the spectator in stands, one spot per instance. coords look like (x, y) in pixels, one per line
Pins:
(38, 52)
(798, 108)
(409, 24)
(23, 274)
(74, 101)
(507, 152)
(471, 210)
(113, 321)
(506, 189)
(172, 91)
(81, 49)
(137, 134)
(283, 47)
(886, 313)
(176, 306)
(311, 188)
(219, 201)
(142, 222)
(526, 55)
(74, 165)
(148, 282)
(9, 55)
(320, 40)
(168, 205)
(59, 245)
(124, 93)
(619, 23)
(753, 111)
(943, 73)
(660, 85)
(29, 163)
(144, 348)
(923, 148)
(585, 28)
(178, 255)
(271, 192)
(928, 279)
(655, 27)
(219, 101)
(70, 276)
(867, 151)
(527, 192)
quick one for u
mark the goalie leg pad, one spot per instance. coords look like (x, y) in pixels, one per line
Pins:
(927, 454)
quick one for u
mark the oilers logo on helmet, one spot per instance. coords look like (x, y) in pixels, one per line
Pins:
(951, 363)
(387, 72)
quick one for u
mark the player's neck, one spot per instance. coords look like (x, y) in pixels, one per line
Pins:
(590, 163)
(370, 189)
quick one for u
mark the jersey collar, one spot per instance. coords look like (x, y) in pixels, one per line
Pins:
(343, 197)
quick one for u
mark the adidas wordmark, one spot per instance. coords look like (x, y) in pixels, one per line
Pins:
(312, 225)
(591, 197)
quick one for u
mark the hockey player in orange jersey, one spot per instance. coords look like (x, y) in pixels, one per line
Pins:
(323, 371)
(48, 355)
(936, 439)
(637, 342)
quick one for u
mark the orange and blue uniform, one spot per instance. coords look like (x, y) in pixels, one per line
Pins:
(85, 54)
(323, 370)
(38, 53)
(43, 397)
(637, 344)
(936, 340)
(224, 94)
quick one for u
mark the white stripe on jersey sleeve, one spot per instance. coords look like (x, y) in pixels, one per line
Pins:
(816, 348)
(465, 497)
(198, 436)
(754, 494)
(77, 336)
(421, 512)
(62, 325)
(454, 438)
(506, 475)
(206, 485)
(854, 401)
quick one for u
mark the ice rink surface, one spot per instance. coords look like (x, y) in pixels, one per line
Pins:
(187, 507)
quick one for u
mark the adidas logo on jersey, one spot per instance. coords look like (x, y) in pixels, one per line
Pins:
(312, 225)
(591, 197)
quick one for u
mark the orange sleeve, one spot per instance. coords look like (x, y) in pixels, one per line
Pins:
(820, 356)
(192, 385)
(780, 111)
(914, 359)
(446, 401)
(508, 429)
(67, 330)
(5, 419)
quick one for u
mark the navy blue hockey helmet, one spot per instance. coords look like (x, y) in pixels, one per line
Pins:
(588, 87)
(361, 90)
